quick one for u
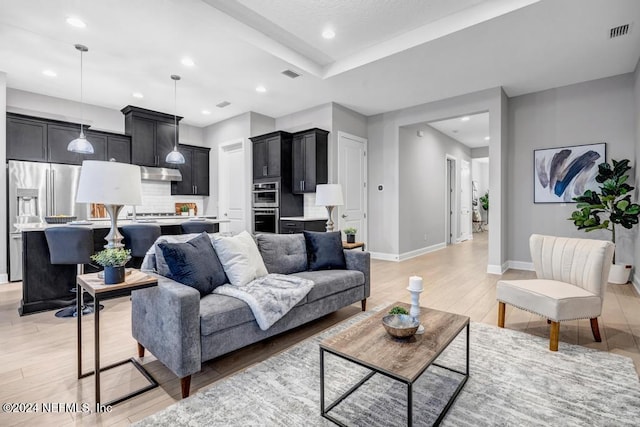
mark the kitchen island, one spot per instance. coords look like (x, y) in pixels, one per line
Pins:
(46, 286)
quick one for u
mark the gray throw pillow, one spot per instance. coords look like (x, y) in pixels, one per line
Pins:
(283, 253)
(194, 264)
(325, 250)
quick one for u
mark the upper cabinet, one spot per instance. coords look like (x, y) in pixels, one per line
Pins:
(42, 140)
(195, 172)
(310, 162)
(272, 156)
(152, 135)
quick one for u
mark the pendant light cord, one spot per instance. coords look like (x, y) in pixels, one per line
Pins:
(175, 114)
(81, 91)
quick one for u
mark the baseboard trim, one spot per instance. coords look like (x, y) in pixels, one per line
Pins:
(520, 265)
(407, 255)
(4, 278)
(635, 281)
(384, 256)
(497, 269)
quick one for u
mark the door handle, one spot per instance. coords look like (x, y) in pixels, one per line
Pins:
(264, 171)
(196, 187)
(344, 215)
(225, 214)
(53, 193)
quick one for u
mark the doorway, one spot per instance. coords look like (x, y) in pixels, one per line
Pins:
(352, 176)
(231, 187)
(450, 203)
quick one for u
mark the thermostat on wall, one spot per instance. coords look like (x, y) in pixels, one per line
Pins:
(380, 188)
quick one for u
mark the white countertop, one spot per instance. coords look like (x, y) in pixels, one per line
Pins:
(105, 223)
(302, 218)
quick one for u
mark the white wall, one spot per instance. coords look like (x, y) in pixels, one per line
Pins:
(384, 165)
(3, 179)
(585, 113)
(423, 186)
(636, 195)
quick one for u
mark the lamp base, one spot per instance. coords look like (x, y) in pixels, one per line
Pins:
(330, 220)
(114, 238)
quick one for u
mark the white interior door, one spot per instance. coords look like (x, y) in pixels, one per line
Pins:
(465, 200)
(231, 187)
(352, 175)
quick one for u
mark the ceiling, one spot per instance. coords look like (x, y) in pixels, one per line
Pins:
(471, 130)
(386, 55)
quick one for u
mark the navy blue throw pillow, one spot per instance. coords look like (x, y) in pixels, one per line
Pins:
(194, 263)
(325, 250)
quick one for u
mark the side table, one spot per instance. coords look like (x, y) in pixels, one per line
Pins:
(97, 289)
(355, 245)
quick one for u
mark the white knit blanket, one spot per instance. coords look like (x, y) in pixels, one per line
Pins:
(270, 297)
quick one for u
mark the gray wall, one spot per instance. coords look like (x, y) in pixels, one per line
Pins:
(3, 179)
(480, 152)
(423, 185)
(591, 112)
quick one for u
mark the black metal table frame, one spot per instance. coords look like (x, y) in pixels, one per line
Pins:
(325, 410)
(96, 336)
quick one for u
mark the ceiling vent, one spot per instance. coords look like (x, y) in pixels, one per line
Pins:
(290, 73)
(223, 104)
(619, 31)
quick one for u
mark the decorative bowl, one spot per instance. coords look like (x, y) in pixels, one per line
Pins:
(59, 219)
(400, 325)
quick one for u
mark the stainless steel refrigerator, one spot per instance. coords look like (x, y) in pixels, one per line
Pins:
(37, 190)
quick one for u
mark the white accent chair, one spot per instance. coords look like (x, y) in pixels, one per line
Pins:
(571, 282)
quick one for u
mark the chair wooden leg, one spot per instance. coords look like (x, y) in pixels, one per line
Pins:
(501, 311)
(185, 385)
(363, 304)
(595, 329)
(554, 336)
(140, 350)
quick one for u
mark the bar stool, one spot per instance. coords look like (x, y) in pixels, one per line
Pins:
(139, 238)
(70, 245)
(197, 227)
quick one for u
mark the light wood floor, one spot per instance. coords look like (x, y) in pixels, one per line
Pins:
(38, 352)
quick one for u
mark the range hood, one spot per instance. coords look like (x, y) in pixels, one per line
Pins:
(160, 174)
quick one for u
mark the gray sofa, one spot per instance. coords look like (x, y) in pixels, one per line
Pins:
(183, 330)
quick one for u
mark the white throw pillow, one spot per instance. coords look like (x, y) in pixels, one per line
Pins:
(240, 258)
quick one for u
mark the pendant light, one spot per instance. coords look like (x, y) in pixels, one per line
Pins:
(80, 144)
(175, 157)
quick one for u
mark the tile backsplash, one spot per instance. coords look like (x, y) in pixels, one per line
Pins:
(310, 208)
(156, 197)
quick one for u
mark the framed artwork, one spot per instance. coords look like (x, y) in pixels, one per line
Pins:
(560, 174)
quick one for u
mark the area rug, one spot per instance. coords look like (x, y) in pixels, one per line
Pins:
(514, 381)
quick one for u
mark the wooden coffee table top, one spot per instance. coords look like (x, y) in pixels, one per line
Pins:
(369, 343)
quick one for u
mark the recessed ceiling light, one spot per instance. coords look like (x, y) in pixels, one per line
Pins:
(328, 34)
(261, 89)
(49, 73)
(137, 95)
(465, 118)
(76, 22)
(486, 138)
(206, 112)
(187, 62)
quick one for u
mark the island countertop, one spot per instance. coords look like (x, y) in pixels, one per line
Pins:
(106, 223)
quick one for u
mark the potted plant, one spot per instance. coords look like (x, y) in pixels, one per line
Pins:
(185, 210)
(351, 234)
(607, 207)
(113, 261)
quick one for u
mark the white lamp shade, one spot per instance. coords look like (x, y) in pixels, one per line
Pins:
(109, 183)
(329, 195)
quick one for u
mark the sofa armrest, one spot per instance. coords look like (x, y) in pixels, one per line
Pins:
(165, 319)
(361, 261)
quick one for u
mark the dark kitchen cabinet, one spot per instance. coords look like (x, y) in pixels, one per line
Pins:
(271, 156)
(310, 162)
(152, 135)
(26, 139)
(119, 148)
(195, 172)
(298, 226)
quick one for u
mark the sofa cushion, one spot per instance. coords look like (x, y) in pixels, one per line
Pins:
(194, 263)
(283, 253)
(329, 282)
(240, 258)
(325, 250)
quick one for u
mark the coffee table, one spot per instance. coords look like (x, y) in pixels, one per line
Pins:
(368, 344)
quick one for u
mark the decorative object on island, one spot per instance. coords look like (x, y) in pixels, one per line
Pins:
(113, 261)
(560, 174)
(606, 206)
(81, 144)
(175, 157)
(184, 210)
(351, 234)
(112, 184)
(415, 288)
(330, 196)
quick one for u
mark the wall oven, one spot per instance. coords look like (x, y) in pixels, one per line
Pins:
(266, 195)
(266, 220)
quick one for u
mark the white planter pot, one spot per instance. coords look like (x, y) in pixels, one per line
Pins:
(619, 273)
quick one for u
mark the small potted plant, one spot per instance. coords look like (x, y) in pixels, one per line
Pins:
(608, 206)
(185, 210)
(113, 261)
(351, 234)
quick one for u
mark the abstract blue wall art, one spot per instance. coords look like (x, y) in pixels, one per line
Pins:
(560, 174)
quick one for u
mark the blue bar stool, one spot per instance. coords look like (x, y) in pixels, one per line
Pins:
(139, 238)
(70, 245)
(197, 227)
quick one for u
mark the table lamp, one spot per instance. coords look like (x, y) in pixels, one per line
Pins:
(329, 195)
(114, 185)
